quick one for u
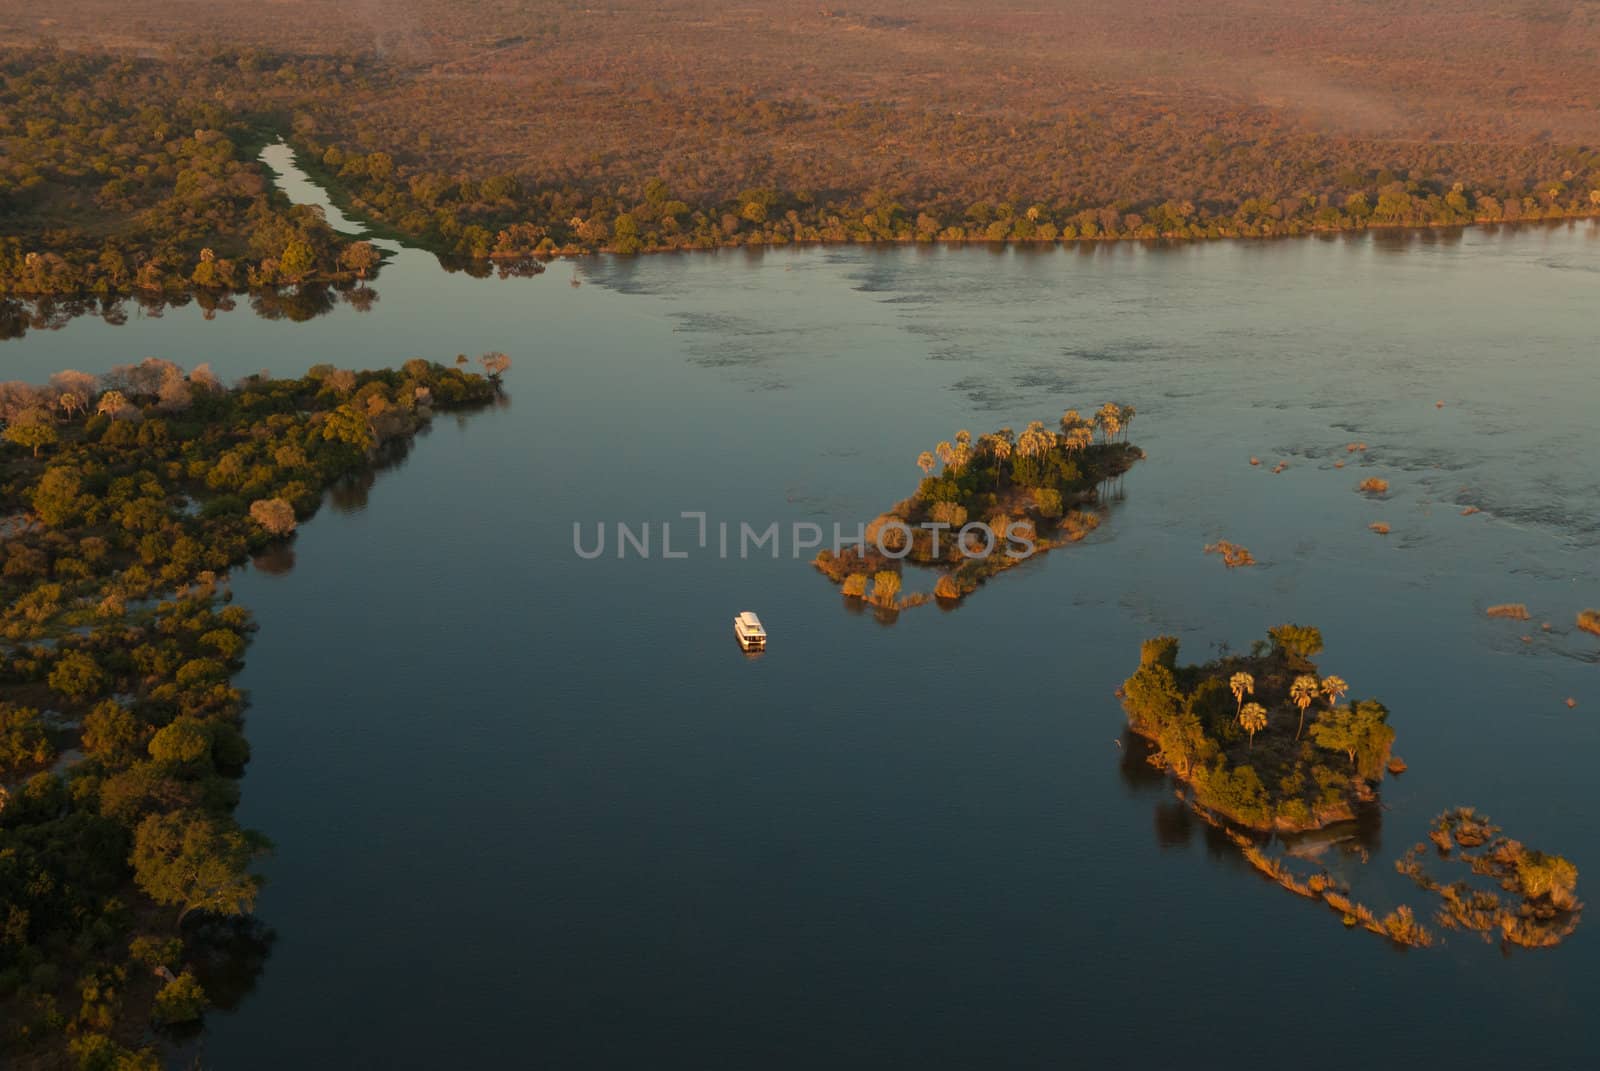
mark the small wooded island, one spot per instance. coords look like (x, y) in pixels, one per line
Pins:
(995, 501)
(124, 498)
(1262, 739)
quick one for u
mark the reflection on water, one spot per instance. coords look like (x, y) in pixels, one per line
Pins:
(298, 304)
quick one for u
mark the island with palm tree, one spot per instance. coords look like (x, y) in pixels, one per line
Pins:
(1261, 740)
(990, 503)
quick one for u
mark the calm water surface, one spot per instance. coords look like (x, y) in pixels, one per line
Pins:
(539, 811)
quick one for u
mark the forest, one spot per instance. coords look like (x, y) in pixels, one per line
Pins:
(483, 130)
(125, 499)
(123, 176)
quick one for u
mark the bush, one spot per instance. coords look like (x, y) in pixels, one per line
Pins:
(77, 675)
(181, 1000)
(185, 741)
(273, 514)
(1159, 651)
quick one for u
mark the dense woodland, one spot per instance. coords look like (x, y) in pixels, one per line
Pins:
(124, 499)
(134, 176)
(573, 131)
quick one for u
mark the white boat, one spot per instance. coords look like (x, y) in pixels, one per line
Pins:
(747, 627)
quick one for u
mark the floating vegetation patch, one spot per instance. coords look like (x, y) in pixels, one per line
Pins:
(1511, 611)
(1233, 555)
(1589, 621)
(1536, 903)
(1372, 485)
(1399, 925)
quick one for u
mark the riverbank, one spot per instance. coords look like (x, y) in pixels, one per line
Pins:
(121, 731)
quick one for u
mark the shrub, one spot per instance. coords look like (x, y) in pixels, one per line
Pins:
(273, 514)
(181, 1000)
(1299, 642)
(185, 741)
(76, 675)
(948, 513)
(1159, 651)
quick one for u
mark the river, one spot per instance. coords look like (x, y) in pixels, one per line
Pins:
(533, 809)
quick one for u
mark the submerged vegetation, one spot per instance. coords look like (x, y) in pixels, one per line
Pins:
(1258, 764)
(1544, 909)
(121, 733)
(1234, 556)
(993, 502)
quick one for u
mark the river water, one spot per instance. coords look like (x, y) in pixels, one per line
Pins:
(536, 810)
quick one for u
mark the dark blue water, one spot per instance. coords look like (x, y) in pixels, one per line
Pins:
(533, 810)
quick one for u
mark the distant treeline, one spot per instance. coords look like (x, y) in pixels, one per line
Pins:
(504, 215)
(120, 176)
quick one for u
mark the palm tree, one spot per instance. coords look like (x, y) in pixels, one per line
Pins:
(1333, 689)
(1303, 691)
(1242, 684)
(1109, 417)
(1254, 719)
(1001, 448)
(925, 462)
(944, 452)
(1125, 418)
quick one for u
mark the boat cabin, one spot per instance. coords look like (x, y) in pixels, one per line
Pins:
(747, 627)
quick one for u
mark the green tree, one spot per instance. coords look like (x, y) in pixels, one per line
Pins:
(298, 260)
(1151, 696)
(32, 429)
(77, 675)
(1361, 731)
(185, 742)
(56, 498)
(22, 738)
(197, 862)
(181, 1000)
(360, 257)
